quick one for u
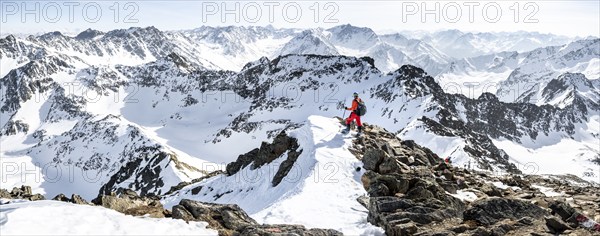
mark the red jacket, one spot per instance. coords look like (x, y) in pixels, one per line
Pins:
(354, 105)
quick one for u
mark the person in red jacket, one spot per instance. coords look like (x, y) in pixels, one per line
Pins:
(353, 115)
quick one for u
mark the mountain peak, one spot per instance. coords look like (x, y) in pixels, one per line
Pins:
(10, 38)
(89, 34)
(51, 35)
(568, 88)
(313, 41)
(151, 30)
(488, 97)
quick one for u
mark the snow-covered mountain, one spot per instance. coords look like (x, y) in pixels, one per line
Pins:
(520, 77)
(153, 125)
(540, 66)
(231, 47)
(460, 44)
(309, 42)
(568, 89)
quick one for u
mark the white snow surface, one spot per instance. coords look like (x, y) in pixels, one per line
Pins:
(60, 218)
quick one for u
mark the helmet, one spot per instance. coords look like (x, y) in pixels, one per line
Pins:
(355, 94)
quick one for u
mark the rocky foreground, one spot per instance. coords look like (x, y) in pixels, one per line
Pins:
(411, 191)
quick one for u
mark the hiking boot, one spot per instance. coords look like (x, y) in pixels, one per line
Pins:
(359, 131)
(347, 129)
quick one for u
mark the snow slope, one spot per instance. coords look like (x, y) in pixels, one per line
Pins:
(319, 191)
(40, 218)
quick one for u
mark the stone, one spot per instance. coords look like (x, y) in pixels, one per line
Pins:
(180, 212)
(419, 192)
(489, 211)
(490, 190)
(403, 229)
(61, 197)
(129, 194)
(26, 190)
(481, 232)
(526, 221)
(78, 200)
(556, 225)
(408, 160)
(4, 193)
(395, 184)
(128, 204)
(16, 192)
(226, 218)
(562, 209)
(372, 158)
(378, 189)
(364, 201)
(460, 229)
(286, 230)
(450, 187)
(146, 210)
(35, 197)
(391, 165)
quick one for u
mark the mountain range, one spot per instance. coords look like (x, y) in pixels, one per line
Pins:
(146, 109)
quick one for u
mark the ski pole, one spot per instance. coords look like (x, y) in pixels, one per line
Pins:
(344, 106)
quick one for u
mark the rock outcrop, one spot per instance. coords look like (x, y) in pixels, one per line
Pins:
(128, 202)
(411, 191)
(24, 192)
(267, 153)
(74, 199)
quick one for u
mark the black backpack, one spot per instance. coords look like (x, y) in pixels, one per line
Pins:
(361, 110)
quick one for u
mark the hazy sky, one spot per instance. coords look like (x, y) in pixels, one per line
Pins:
(573, 18)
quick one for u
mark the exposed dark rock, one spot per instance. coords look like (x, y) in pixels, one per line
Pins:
(286, 230)
(492, 210)
(61, 197)
(4, 193)
(556, 225)
(146, 168)
(227, 219)
(183, 184)
(78, 199)
(24, 192)
(129, 203)
(267, 153)
(372, 158)
(562, 209)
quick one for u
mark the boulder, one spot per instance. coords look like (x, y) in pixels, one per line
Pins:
(4, 193)
(403, 229)
(35, 197)
(556, 225)
(78, 200)
(129, 203)
(226, 218)
(61, 197)
(490, 190)
(492, 210)
(267, 153)
(562, 209)
(391, 165)
(372, 158)
(253, 230)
